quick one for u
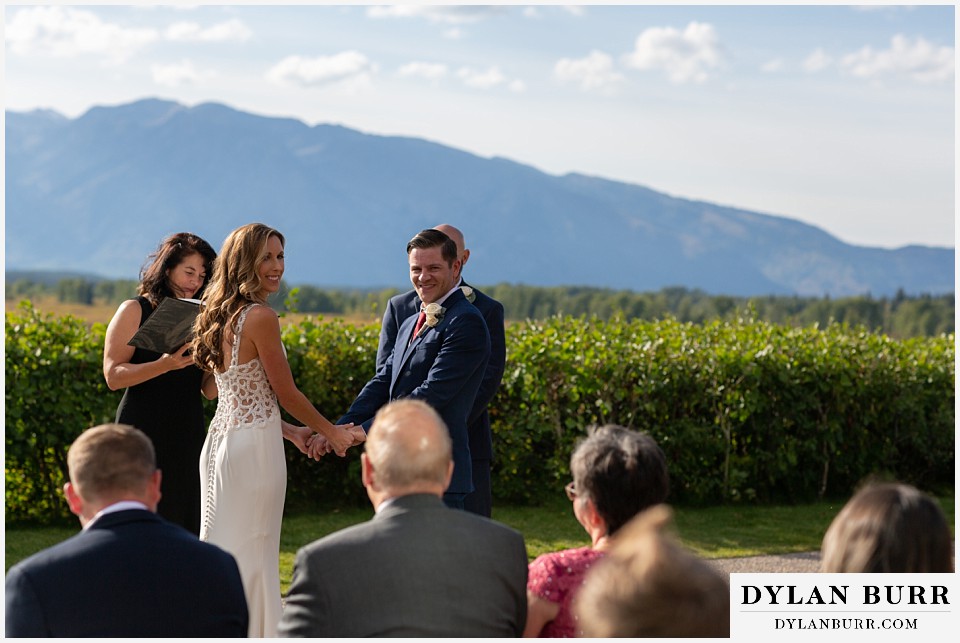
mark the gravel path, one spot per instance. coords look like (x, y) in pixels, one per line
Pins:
(784, 564)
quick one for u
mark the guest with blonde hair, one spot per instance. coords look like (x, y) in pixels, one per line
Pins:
(888, 528)
(649, 586)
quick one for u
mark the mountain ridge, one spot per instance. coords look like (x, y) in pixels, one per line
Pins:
(96, 193)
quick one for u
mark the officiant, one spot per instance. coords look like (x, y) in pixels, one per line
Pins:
(163, 390)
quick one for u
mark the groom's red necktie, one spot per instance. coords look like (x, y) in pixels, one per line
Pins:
(422, 317)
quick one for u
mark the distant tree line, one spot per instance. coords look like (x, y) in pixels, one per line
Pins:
(73, 290)
(900, 316)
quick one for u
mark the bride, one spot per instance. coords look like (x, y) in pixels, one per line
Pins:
(243, 470)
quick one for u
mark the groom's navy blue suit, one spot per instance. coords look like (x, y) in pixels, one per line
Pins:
(444, 367)
(402, 306)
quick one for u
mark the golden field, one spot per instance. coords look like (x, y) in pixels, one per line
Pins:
(102, 313)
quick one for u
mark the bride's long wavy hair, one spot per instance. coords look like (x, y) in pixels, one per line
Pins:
(235, 283)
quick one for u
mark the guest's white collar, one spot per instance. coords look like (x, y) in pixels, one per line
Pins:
(383, 505)
(123, 505)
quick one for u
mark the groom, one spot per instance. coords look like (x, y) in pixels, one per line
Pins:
(478, 423)
(440, 355)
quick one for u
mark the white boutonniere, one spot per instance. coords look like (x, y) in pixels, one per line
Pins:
(434, 313)
(468, 293)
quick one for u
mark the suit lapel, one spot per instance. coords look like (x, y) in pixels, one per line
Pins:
(406, 348)
(406, 330)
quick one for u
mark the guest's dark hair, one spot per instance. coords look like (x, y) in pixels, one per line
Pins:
(622, 471)
(888, 528)
(154, 283)
(431, 238)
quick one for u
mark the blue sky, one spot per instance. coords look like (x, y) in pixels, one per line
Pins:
(840, 116)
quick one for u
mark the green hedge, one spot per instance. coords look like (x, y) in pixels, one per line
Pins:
(54, 389)
(745, 410)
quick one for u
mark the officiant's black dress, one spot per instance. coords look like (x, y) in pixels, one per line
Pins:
(169, 409)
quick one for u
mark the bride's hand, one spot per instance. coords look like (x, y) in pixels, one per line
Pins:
(300, 436)
(340, 439)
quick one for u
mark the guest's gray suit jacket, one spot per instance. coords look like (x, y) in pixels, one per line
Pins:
(416, 569)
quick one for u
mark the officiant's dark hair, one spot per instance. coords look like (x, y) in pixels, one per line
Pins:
(154, 283)
(431, 238)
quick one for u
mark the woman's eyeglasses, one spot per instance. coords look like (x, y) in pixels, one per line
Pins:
(571, 490)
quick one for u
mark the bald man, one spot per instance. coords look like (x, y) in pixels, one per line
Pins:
(129, 573)
(418, 568)
(402, 306)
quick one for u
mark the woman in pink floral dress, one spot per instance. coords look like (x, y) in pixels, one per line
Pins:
(617, 473)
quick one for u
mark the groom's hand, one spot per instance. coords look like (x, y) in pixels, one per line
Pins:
(359, 435)
(317, 446)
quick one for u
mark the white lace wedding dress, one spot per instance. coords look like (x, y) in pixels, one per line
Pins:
(244, 477)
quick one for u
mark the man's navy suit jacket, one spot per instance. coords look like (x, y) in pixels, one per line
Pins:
(131, 574)
(444, 367)
(402, 306)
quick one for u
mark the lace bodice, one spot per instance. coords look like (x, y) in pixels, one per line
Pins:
(246, 398)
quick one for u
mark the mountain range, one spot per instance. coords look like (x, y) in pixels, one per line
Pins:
(96, 193)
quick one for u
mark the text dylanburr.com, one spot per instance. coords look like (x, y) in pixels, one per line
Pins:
(844, 607)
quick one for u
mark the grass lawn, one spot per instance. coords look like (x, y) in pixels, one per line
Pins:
(712, 532)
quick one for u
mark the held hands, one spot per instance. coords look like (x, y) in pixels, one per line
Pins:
(348, 434)
(300, 436)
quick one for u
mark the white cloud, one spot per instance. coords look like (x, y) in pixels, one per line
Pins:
(454, 33)
(481, 79)
(817, 61)
(531, 12)
(177, 74)
(517, 86)
(593, 72)
(430, 71)
(63, 31)
(772, 66)
(349, 67)
(575, 9)
(920, 61)
(231, 30)
(450, 14)
(684, 56)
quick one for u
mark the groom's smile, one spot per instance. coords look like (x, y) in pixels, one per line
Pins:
(432, 277)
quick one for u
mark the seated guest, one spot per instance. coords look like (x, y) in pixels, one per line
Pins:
(617, 473)
(888, 528)
(129, 573)
(648, 586)
(418, 568)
